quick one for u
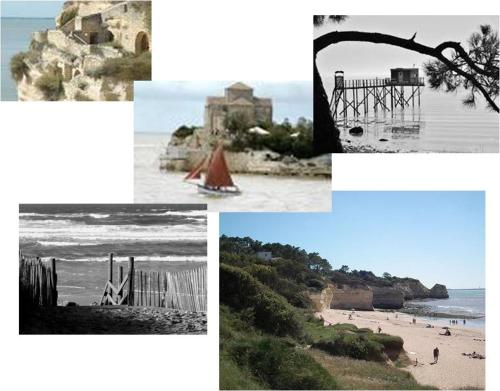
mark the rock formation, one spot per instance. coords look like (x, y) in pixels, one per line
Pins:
(323, 299)
(387, 297)
(439, 291)
(67, 63)
(412, 289)
(347, 297)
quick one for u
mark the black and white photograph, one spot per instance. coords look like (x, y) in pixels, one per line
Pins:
(112, 269)
(406, 83)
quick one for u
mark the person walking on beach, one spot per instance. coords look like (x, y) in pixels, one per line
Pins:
(436, 355)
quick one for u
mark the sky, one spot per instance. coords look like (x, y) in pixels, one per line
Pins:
(437, 237)
(31, 9)
(359, 60)
(163, 106)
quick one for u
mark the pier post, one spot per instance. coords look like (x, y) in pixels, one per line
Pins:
(54, 281)
(120, 280)
(131, 277)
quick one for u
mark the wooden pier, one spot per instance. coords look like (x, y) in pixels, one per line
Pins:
(386, 94)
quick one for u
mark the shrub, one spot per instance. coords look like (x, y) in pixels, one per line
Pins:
(352, 345)
(82, 85)
(51, 86)
(280, 364)
(184, 131)
(67, 15)
(81, 97)
(18, 67)
(125, 68)
(270, 311)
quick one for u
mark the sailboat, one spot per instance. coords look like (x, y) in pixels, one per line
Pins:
(217, 180)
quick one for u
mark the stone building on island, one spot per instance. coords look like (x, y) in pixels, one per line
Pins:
(238, 99)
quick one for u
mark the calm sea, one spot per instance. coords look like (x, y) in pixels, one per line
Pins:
(16, 37)
(440, 124)
(80, 237)
(263, 193)
(462, 302)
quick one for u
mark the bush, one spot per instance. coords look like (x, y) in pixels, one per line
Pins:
(51, 86)
(125, 68)
(352, 345)
(184, 131)
(18, 67)
(81, 97)
(280, 364)
(270, 311)
(67, 15)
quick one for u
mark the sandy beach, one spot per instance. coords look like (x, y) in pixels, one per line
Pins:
(453, 370)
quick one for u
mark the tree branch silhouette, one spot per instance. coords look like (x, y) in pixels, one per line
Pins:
(334, 37)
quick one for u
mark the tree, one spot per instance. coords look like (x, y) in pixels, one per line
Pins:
(387, 276)
(476, 70)
(344, 269)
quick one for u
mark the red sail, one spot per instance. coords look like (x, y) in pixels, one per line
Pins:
(218, 172)
(196, 171)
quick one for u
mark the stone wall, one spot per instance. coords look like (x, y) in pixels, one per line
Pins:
(347, 297)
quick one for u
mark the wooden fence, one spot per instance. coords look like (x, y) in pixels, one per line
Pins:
(185, 290)
(37, 282)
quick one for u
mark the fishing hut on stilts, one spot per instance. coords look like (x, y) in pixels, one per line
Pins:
(386, 94)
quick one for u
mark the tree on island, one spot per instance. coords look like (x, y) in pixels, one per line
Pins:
(476, 70)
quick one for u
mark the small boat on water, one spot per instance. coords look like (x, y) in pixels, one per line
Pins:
(217, 180)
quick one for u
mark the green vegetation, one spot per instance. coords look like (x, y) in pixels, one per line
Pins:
(18, 67)
(184, 131)
(81, 97)
(51, 85)
(67, 15)
(269, 338)
(352, 374)
(285, 138)
(125, 68)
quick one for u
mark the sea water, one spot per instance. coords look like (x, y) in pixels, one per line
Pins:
(16, 37)
(80, 237)
(462, 302)
(260, 192)
(440, 124)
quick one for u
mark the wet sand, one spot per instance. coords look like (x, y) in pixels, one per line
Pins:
(453, 370)
(111, 320)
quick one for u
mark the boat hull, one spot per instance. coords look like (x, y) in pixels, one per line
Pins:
(221, 192)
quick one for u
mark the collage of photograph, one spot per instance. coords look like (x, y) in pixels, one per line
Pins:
(242, 230)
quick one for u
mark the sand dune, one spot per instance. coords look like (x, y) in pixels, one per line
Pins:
(453, 370)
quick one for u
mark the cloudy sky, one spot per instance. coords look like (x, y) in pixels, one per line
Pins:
(163, 106)
(359, 60)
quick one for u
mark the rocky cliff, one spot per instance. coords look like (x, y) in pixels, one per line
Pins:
(387, 297)
(351, 297)
(412, 289)
(322, 300)
(183, 154)
(86, 56)
(439, 291)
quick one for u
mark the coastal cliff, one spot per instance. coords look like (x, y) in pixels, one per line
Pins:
(96, 51)
(322, 300)
(439, 291)
(387, 297)
(352, 297)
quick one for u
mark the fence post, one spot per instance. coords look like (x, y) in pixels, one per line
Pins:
(120, 279)
(131, 277)
(54, 281)
(110, 274)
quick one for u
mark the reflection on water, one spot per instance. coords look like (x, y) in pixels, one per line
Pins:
(441, 124)
(260, 193)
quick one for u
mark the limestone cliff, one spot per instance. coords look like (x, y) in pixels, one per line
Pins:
(412, 289)
(352, 297)
(439, 291)
(322, 300)
(387, 297)
(96, 51)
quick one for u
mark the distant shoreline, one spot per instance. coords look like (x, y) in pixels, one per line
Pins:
(24, 17)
